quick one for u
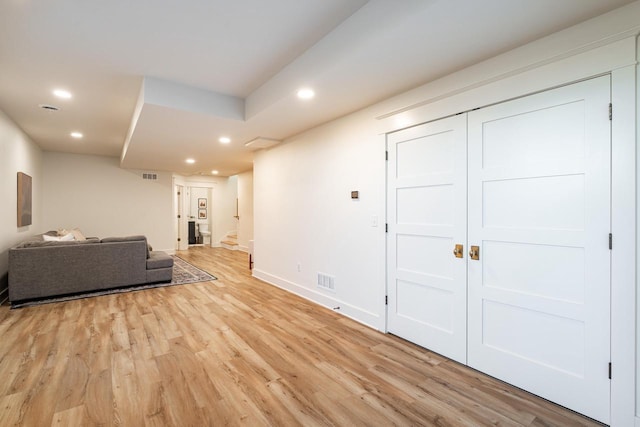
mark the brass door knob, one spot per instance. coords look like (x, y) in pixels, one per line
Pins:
(474, 252)
(458, 251)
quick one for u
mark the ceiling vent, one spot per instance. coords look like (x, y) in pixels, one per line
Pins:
(48, 107)
(150, 176)
(260, 143)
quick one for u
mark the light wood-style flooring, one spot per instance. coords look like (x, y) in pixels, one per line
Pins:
(235, 351)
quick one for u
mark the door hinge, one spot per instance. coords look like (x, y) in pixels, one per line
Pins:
(610, 241)
(386, 155)
(386, 228)
(386, 302)
(609, 370)
(610, 111)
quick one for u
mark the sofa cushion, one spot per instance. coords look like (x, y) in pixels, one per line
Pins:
(159, 259)
(123, 239)
(37, 238)
(160, 275)
(128, 239)
(44, 243)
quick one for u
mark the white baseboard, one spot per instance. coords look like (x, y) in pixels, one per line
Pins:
(365, 317)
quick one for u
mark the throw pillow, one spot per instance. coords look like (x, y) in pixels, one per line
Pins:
(66, 238)
(77, 234)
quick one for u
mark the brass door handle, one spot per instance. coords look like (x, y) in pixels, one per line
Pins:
(458, 251)
(474, 253)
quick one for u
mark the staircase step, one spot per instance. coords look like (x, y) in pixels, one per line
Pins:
(229, 242)
(232, 236)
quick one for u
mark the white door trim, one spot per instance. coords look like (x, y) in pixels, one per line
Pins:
(623, 254)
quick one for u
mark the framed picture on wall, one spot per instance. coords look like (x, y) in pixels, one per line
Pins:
(202, 204)
(24, 199)
(202, 214)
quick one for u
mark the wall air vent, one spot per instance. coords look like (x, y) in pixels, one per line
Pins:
(260, 143)
(150, 176)
(48, 107)
(326, 282)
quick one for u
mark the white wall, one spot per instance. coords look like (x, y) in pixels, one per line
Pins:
(245, 209)
(196, 194)
(17, 154)
(306, 222)
(94, 194)
(226, 221)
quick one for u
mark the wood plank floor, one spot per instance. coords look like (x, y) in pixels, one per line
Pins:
(235, 351)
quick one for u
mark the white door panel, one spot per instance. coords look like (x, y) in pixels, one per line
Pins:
(426, 213)
(418, 154)
(561, 279)
(425, 205)
(535, 138)
(539, 209)
(546, 203)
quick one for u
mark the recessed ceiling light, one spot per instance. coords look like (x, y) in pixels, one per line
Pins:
(306, 93)
(61, 93)
(190, 161)
(214, 172)
(224, 139)
(76, 135)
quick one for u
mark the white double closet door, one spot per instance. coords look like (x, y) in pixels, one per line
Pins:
(527, 183)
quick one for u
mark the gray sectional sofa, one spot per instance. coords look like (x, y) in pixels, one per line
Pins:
(40, 269)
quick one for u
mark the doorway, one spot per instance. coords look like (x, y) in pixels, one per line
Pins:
(199, 216)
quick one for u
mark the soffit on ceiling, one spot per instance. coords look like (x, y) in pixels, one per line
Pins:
(354, 53)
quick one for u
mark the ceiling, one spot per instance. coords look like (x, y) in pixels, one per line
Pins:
(155, 82)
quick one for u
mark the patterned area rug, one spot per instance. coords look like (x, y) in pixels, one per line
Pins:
(183, 273)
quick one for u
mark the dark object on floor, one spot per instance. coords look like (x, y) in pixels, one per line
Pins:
(192, 232)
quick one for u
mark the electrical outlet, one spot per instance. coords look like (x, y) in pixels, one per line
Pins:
(374, 221)
(299, 268)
